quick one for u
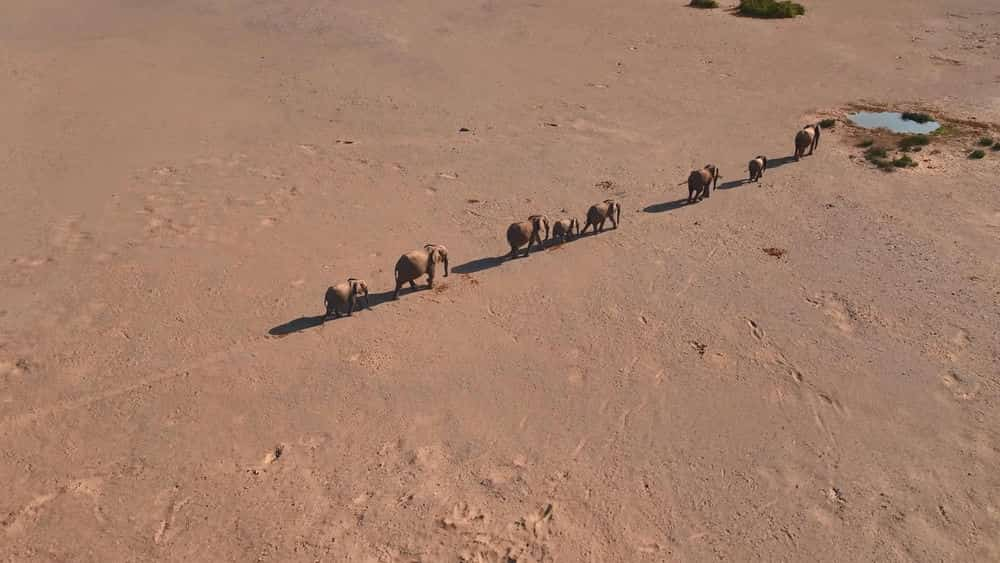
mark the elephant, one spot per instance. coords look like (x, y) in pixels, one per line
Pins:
(806, 138)
(701, 182)
(416, 263)
(601, 212)
(565, 229)
(527, 232)
(345, 295)
(757, 167)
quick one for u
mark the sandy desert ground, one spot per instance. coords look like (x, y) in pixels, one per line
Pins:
(182, 180)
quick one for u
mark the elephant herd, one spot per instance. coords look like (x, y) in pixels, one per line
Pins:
(342, 298)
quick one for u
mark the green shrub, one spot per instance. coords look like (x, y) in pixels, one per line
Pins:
(704, 4)
(976, 154)
(996, 146)
(827, 123)
(916, 117)
(770, 8)
(985, 142)
(904, 162)
(884, 165)
(909, 142)
(865, 143)
(875, 153)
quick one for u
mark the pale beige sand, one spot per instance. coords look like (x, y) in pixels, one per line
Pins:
(176, 184)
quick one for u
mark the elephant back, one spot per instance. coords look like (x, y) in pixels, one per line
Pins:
(597, 212)
(519, 233)
(804, 137)
(412, 265)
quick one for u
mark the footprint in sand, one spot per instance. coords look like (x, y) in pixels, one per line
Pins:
(963, 387)
(838, 309)
(462, 516)
(67, 234)
(30, 262)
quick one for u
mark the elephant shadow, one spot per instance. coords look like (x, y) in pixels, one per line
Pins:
(665, 206)
(489, 262)
(305, 323)
(779, 162)
(478, 265)
(733, 184)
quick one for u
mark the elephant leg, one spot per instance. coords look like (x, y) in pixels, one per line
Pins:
(350, 305)
(707, 190)
(395, 294)
(614, 223)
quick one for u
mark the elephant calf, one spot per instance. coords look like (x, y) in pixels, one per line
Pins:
(701, 182)
(601, 212)
(527, 232)
(565, 229)
(344, 296)
(806, 138)
(757, 167)
(416, 263)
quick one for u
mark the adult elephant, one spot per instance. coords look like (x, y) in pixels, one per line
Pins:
(701, 182)
(416, 263)
(806, 138)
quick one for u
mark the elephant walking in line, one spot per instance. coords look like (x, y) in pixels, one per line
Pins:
(345, 296)
(701, 182)
(757, 167)
(565, 229)
(527, 232)
(806, 138)
(601, 212)
(416, 263)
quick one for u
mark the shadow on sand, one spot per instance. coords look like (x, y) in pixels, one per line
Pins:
(666, 206)
(478, 265)
(779, 162)
(305, 323)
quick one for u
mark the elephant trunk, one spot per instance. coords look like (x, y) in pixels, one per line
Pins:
(368, 304)
(445, 265)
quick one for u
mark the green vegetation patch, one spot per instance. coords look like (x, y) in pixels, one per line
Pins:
(865, 143)
(913, 142)
(876, 153)
(976, 154)
(770, 9)
(916, 117)
(827, 123)
(704, 4)
(986, 142)
(904, 162)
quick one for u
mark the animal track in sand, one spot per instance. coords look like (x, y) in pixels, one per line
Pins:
(18, 521)
(537, 522)
(168, 529)
(462, 516)
(34, 262)
(67, 235)
(963, 387)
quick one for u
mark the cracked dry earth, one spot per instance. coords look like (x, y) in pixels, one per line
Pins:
(800, 369)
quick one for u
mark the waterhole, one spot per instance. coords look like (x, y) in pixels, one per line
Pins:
(895, 121)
